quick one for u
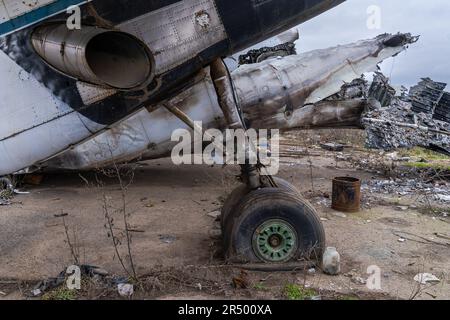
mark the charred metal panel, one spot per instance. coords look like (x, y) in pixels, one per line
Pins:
(381, 91)
(250, 21)
(442, 111)
(426, 95)
(177, 33)
(147, 133)
(119, 11)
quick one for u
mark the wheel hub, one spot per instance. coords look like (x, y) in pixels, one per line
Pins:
(275, 241)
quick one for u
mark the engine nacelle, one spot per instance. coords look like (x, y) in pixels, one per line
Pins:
(108, 58)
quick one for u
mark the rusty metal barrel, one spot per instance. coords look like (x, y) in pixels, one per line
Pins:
(346, 194)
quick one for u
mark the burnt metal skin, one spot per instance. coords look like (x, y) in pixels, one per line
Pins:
(297, 92)
(245, 23)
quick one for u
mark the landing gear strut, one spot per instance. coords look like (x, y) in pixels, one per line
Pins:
(265, 220)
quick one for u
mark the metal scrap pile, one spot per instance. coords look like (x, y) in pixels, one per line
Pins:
(395, 122)
(399, 127)
(426, 95)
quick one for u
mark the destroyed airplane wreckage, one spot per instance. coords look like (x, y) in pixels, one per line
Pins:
(81, 110)
(294, 92)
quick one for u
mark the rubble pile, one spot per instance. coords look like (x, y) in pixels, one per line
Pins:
(398, 126)
(405, 187)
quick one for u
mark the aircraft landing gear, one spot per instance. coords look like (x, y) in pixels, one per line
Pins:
(271, 225)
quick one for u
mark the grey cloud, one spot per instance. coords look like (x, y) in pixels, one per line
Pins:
(430, 19)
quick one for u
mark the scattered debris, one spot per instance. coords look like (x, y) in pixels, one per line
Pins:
(125, 290)
(335, 147)
(419, 239)
(355, 277)
(6, 191)
(399, 127)
(241, 281)
(426, 278)
(404, 187)
(331, 263)
(443, 197)
(359, 280)
(61, 215)
(312, 271)
(339, 214)
(168, 239)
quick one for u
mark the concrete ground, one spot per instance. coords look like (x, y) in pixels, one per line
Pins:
(171, 227)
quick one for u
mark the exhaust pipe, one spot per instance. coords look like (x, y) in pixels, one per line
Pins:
(108, 58)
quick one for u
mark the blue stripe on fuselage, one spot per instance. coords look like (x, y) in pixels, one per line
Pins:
(37, 15)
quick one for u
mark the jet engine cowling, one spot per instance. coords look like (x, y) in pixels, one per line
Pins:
(103, 57)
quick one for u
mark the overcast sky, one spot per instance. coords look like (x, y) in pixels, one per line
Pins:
(430, 57)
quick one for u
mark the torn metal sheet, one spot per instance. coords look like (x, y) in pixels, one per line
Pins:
(272, 93)
(426, 95)
(381, 90)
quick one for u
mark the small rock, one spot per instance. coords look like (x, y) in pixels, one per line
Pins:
(402, 208)
(426, 278)
(312, 271)
(331, 263)
(359, 280)
(168, 239)
(125, 290)
(340, 214)
(215, 214)
(36, 292)
(402, 240)
(336, 147)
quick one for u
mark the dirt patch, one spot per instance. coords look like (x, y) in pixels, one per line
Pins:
(172, 203)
